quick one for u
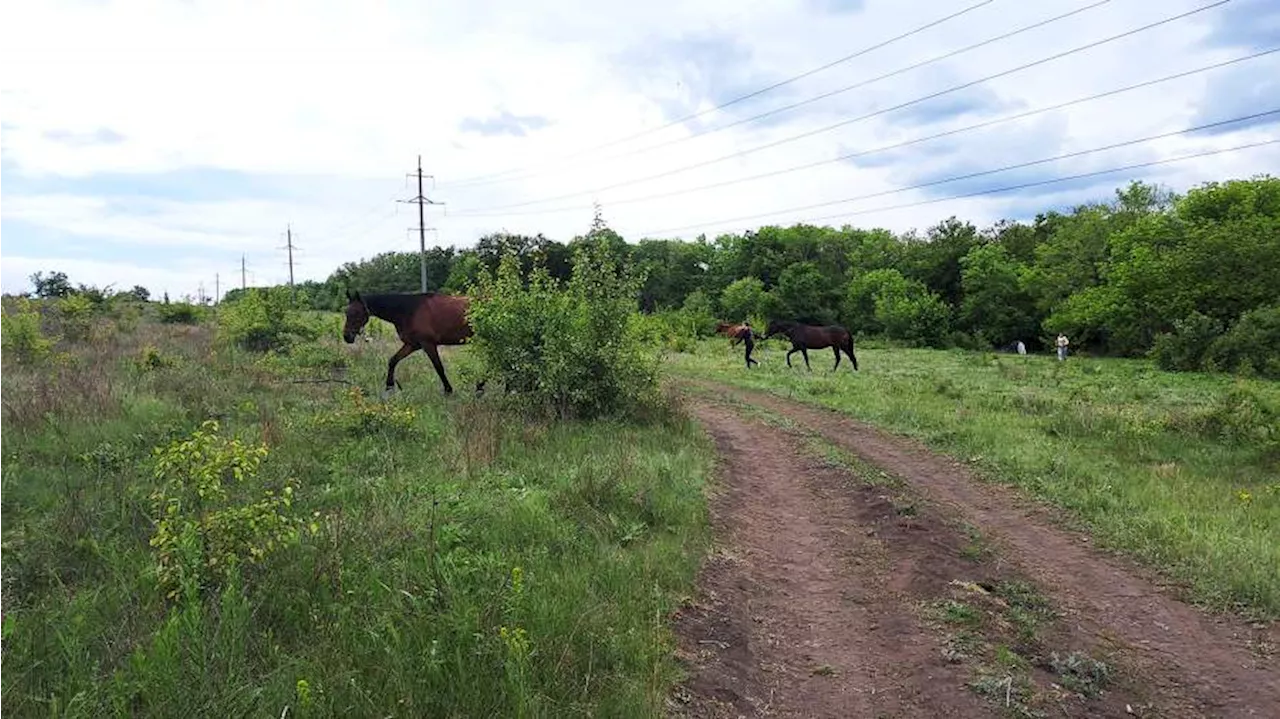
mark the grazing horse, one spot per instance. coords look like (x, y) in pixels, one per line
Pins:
(422, 321)
(806, 337)
(739, 333)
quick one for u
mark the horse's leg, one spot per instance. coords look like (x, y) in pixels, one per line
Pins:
(836, 349)
(852, 357)
(805, 352)
(405, 350)
(790, 352)
(434, 354)
(750, 345)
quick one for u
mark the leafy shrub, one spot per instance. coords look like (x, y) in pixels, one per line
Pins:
(203, 534)
(1238, 417)
(672, 330)
(151, 358)
(578, 350)
(75, 313)
(21, 334)
(1185, 348)
(359, 417)
(698, 315)
(747, 297)
(316, 356)
(263, 320)
(180, 313)
(916, 315)
(1252, 345)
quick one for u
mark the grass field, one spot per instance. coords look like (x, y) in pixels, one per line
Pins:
(450, 559)
(1181, 471)
(432, 556)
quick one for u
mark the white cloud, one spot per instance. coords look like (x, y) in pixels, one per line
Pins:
(333, 101)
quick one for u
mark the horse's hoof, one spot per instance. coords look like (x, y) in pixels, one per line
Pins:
(388, 391)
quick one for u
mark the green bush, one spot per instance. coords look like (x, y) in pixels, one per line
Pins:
(204, 534)
(75, 313)
(21, 334)
(1186, 347)
(360, 417)
(697, 316)
(262, 320)
(577, 350)
(180, 313)
(1252, 345)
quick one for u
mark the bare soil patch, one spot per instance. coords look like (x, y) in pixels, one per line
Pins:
(833, 596)
(1171, 659)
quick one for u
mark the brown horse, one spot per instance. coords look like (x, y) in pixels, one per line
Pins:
(422, 321)
(806, 337)
(739, 333)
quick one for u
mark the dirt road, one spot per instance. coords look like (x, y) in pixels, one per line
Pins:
(838, 591)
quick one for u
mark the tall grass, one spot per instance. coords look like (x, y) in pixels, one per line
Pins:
(1180, 470)
(464, 561)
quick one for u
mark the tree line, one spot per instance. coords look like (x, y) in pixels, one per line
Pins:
(1115, 275)
(1149, 271)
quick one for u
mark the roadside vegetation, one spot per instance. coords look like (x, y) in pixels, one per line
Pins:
(208, 512)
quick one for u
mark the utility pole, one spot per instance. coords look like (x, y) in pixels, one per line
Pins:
(244, 286)
(293, 292)
(217, 287)
(422, 201)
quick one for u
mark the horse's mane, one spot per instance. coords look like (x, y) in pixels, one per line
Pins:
(394, 306)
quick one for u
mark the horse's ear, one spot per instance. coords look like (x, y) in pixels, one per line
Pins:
(349, 297)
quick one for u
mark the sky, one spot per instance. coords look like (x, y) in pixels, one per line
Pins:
(158, 143)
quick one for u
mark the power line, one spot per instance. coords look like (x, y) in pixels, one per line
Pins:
(971, 175)
(842, 90)
(484, 179)
(885, 148)
(1041, 183)
(869, 115)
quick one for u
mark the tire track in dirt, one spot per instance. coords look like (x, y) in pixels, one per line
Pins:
(834, 595)
(1200, 662)
(796, 616)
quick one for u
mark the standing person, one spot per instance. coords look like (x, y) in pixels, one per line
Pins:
(1062, 346)
(1022, 349)
(745, 334)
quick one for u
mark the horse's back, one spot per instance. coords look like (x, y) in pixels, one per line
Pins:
(442, 318)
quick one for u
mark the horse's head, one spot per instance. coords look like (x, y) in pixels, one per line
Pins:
(357, 317)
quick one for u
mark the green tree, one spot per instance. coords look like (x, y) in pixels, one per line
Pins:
(53, 285)
(745, 298)
(806, 295)
(995, 309)
(936, 260)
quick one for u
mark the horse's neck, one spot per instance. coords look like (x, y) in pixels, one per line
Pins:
(388, 313)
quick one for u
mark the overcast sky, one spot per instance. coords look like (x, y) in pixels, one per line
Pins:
(155, 142)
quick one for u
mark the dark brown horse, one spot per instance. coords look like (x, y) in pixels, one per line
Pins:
(806, 337)
(422, 321)
(739, 333)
